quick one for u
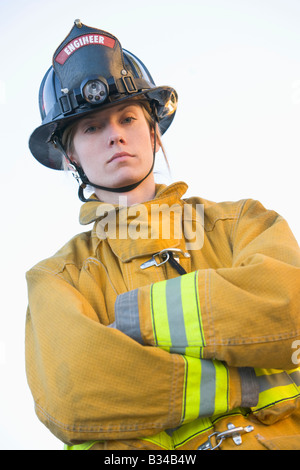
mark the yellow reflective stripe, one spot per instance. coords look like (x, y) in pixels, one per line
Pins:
(162, 440)
(176, 315)
(206, 388)
(265, 372)
(191, 400)
(275, 386)
(172, 439)
(222, 388)
(85, 446)
(189, 431)
(160, 322)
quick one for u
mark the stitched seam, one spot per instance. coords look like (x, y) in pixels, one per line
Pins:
(97, 429)
(231, 216)
(172, 407)
(258, 339)
(208, 305)
(96, 261)
(51, 271)
(234, 226)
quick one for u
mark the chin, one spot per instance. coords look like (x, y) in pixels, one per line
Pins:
(125, 181)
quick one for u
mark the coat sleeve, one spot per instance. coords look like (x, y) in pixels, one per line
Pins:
(247, 315)
(91, 382)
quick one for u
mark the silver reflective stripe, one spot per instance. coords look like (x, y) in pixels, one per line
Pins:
(295, 376)
(175, 314)
(207, 388)
(127, 315)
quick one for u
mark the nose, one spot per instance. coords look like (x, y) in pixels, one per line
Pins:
(115, 139)
(115, 136)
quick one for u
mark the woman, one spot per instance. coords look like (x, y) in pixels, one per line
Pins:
(127, 140)
(154, 330)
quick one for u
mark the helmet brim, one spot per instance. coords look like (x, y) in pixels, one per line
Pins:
(41, 140)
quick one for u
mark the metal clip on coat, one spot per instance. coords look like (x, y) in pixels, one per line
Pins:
(233, 432)
(167, 254)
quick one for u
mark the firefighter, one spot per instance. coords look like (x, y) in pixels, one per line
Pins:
(173, 323)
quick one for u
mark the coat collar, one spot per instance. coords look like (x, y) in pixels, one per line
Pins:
(126, 247)
(89, 210)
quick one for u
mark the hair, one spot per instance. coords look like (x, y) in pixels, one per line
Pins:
(69, 132)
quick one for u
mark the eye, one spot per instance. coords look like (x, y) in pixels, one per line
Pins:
(90, 129)
(129, 119)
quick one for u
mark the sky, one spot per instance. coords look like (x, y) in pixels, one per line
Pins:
(236, 67)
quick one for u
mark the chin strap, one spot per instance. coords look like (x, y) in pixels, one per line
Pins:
(83, 180)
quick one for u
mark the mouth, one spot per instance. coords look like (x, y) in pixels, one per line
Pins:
(119, 156)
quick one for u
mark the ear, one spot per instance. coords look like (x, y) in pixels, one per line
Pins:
(68, 163)
(157, 139)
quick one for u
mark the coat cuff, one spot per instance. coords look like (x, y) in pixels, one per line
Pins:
(166, 314)
(127, 315)
(249, 387)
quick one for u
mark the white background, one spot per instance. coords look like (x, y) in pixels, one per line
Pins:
(236, 67)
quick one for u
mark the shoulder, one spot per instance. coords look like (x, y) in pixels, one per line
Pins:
(74, 253)
(234, 212)
(218, 211)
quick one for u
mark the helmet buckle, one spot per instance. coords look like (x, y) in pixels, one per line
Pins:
(65, 104)
(129, 84)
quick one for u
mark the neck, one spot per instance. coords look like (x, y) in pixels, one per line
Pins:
(142, 193)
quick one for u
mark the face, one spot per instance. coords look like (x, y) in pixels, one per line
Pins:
(114, 146)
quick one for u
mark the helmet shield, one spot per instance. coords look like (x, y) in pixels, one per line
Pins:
(91, 71)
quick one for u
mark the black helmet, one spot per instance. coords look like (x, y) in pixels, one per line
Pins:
(91, 71)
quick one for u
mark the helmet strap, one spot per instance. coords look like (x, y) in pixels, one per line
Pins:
(83, 180)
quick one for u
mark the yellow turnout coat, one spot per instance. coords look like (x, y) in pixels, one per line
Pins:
(120, 357)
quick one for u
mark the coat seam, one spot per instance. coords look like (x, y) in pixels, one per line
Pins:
(97, 429)
(238, 216)
(258, 339)
(98, 262)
